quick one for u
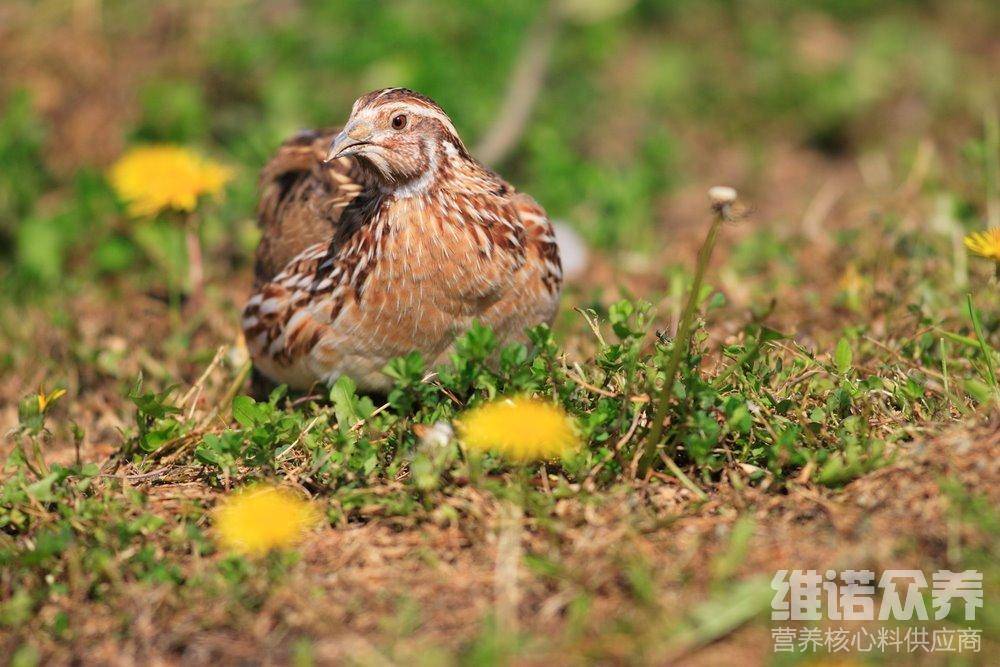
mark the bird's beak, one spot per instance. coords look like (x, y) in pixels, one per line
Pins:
(349, 141)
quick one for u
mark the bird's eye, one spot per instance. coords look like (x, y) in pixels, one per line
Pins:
(399, 121)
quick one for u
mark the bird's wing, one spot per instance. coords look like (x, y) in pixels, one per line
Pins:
(535, 233)
(540, 237)
(301, 199)
(289, 311)
(286, 315)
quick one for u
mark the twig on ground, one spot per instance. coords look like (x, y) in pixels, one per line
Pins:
(684, 479)
(225, 403)
(197, 386)
(160, 472)
(640, 398)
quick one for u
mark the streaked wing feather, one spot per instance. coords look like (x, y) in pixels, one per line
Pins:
(302, 198)
(542, 238)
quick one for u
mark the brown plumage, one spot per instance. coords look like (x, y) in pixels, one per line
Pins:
(389, 238)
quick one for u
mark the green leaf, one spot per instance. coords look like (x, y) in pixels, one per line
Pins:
(245, 411)
(40, 248)
(42, 489)
(208, 455)
(163, 243)
(718, 300)
(346, 405)
(978, 390)
(163, 431)
(725, 611)
(843, 356)
(113, 255)
(17, 610)
(767, 335)
(991, 373)
(739, 419)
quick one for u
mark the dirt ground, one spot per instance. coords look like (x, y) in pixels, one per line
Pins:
(424, 586)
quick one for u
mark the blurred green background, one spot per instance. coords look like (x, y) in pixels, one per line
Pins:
(641, 99)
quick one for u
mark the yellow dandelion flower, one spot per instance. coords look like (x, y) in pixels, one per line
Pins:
(851, 280)
(255, 520)
(985, 244)
(155, 178)
(45, 400)
(521, 428)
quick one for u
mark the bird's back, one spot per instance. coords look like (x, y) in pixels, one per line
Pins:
(301, 199)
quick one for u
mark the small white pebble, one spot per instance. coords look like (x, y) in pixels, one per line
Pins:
(438, 435)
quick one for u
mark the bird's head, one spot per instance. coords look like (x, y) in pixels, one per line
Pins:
(401, 136)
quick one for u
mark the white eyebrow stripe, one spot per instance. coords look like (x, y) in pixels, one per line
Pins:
(429, 113)
(386, 92)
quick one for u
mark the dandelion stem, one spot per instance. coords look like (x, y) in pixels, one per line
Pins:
(722, 198)
(983, 345)
(991, 139)
(196, 265)
(475, 461)
(944, 366)
(506, 572)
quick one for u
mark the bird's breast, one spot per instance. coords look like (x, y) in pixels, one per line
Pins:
(441, 251)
